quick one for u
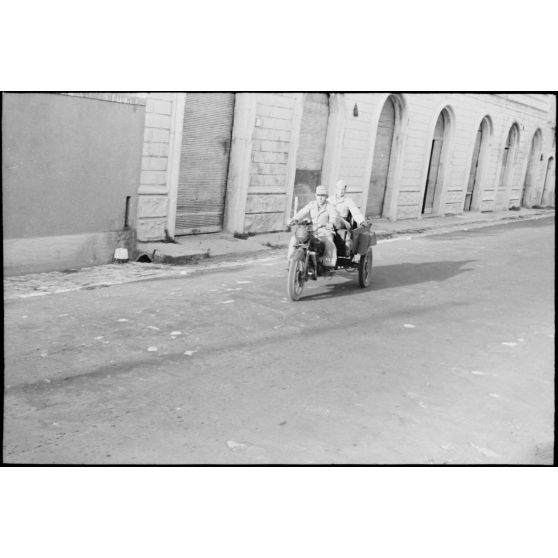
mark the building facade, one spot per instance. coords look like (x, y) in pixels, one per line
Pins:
(244, 162)
(84, 173)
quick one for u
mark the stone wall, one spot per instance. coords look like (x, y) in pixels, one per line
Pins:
(153, 192)
(467, 111)
(272, 159)
(262, 179)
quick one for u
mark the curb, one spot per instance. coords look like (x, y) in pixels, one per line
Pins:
(272, 246)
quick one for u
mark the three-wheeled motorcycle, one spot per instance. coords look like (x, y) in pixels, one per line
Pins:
(306, 261)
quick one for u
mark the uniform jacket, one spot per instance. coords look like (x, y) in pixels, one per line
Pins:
(344, 206)
(320, 216)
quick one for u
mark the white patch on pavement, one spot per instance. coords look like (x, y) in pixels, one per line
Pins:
(189, 353)
(153, 327)
(243, 282)
(235, 445)
(122, 320)
(408, 325)
(174, 333)
(485, 451)
(495, 395)
(152, 349)
(227, 302)
(509, 343)
(478, 373)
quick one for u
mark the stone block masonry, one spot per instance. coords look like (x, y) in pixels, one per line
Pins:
(262, 182)
(154, 189)
(466, 111)
(272, 154)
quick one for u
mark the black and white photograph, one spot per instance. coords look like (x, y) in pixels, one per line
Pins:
(278, 277)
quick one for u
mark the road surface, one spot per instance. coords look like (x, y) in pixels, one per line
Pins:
(447, 358)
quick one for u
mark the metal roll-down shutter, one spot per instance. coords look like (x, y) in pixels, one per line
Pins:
(204, 162)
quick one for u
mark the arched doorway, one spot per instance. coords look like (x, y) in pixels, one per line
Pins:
(508, 160)
(475, 174)
(381, 161)
(548, 195)
(529, 186)
(310, 154)
(434, 178)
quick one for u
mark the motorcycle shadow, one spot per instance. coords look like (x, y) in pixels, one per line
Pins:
(387, 277)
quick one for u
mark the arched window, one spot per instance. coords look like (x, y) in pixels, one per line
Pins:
(438, 153)
(531, 175)
(548, 195)
(508, 159)
(387, 148)
(474, 185)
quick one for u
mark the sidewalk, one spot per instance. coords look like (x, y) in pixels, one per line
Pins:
(192, 254)
(189, 249)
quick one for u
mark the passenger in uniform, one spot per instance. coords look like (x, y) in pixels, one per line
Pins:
(344, 205)
(323, 216)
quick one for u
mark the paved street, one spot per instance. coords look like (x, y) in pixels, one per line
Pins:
(448, 358)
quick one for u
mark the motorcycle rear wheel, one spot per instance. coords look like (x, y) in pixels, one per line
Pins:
(296, 278)
(365, 269)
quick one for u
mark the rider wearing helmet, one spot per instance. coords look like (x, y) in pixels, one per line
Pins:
(323, 216)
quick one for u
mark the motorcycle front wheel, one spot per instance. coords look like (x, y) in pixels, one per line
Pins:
(296, 278)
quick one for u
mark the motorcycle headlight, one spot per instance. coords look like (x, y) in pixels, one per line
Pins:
(301, 233)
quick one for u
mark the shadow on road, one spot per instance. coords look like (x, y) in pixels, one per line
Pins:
(393, 276)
